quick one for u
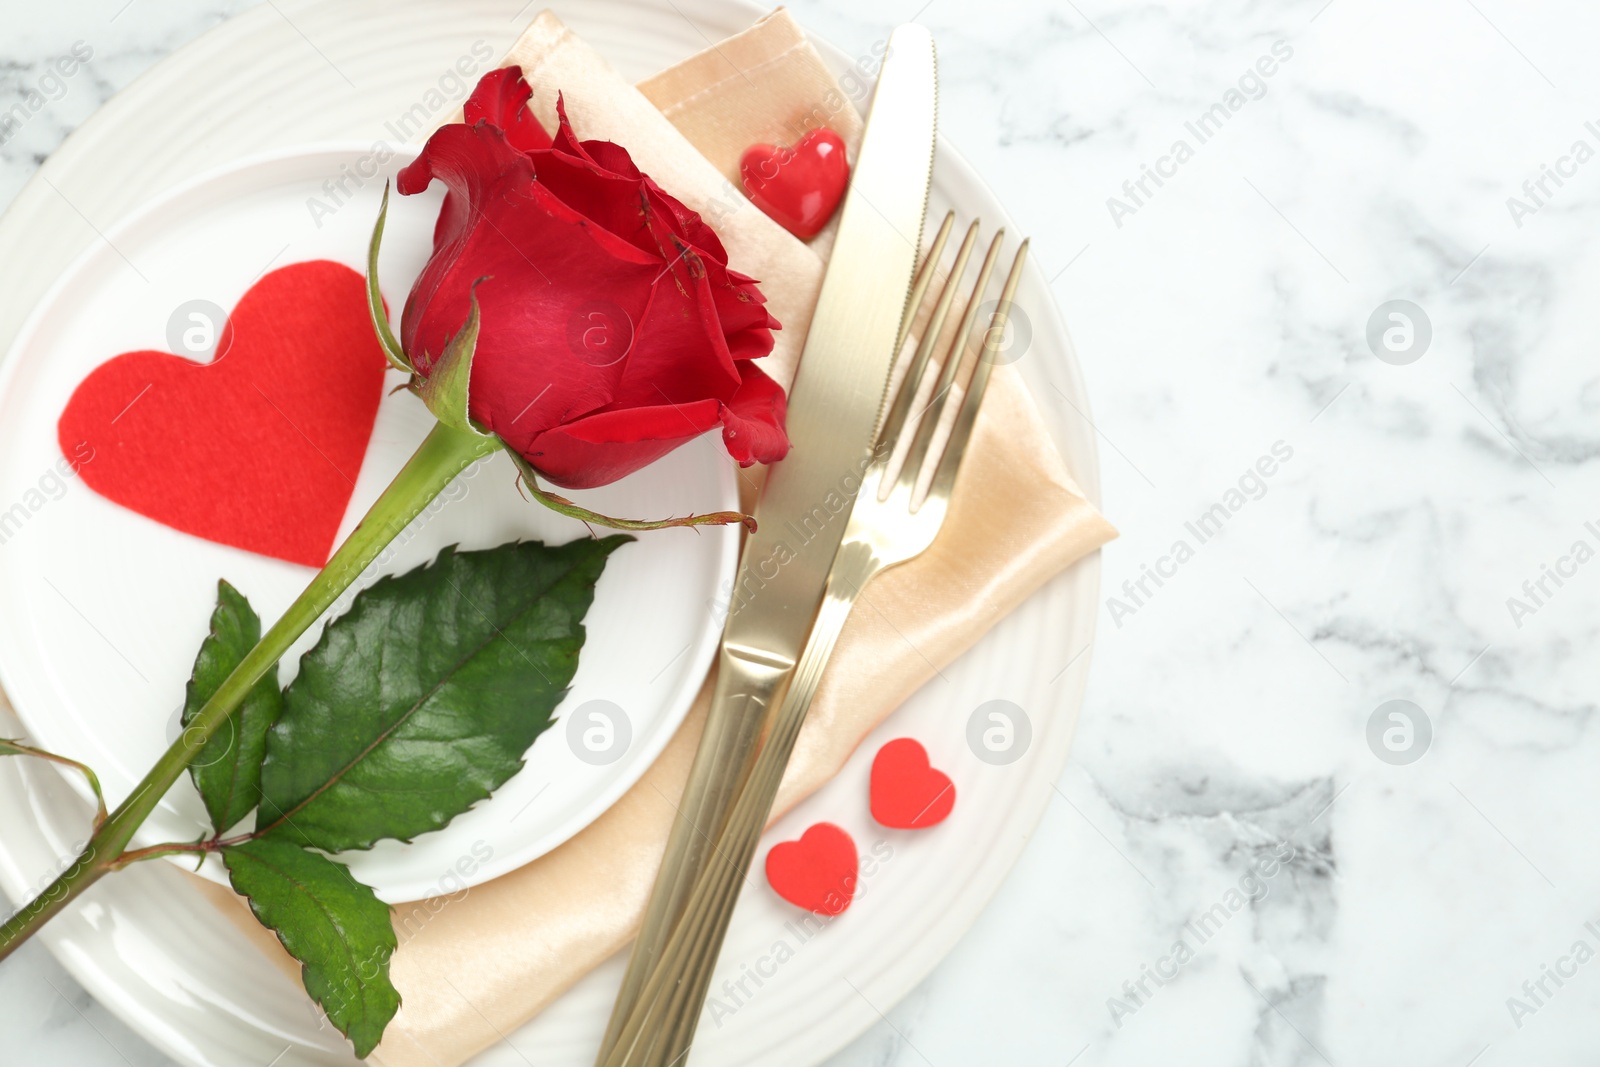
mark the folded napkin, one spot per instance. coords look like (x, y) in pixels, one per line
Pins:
(476, 969)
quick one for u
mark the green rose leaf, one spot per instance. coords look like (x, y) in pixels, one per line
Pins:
(423, 698)
(228, 771)
(335, 926)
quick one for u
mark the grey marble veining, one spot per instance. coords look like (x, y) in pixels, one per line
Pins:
(1424, 151)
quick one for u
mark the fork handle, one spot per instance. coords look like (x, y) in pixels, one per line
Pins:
(746, 687)
(661, 1026)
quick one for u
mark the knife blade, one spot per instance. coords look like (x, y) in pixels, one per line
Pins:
(835, 405)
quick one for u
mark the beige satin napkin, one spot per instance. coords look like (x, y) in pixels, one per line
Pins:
(472, 969)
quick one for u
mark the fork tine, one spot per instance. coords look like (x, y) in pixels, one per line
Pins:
(932, 415)
(894, 425)
(889, 427)
(919, 287)
(970, 315)
(961, 433)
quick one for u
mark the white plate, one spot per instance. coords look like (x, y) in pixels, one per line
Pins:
(105, 608)
(231, 1008)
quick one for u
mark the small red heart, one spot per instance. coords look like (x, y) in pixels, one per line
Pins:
(907, 793)
(817, 872)
(799, 187)
(258, 449)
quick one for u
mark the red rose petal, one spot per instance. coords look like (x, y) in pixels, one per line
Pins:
(500, 99)
(610, 156)
(601, 448)
(568, 235)
(565, 140)
(752, 422)
(611, 201)
(655, 371)
(470, 161)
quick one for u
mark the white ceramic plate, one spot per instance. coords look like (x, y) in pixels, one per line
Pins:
(105, 608)
(229, 1007)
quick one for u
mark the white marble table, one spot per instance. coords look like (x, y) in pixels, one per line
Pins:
(1424, 151)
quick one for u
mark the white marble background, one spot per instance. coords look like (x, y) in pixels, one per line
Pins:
(1227, 716)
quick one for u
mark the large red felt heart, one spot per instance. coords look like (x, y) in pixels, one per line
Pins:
(259, 448)
(797, 187)
(817, 872)
(907, 793)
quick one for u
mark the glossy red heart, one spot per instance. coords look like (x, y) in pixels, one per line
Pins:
(907, 792)
(258, 449)
(798, 187)
(817, 872)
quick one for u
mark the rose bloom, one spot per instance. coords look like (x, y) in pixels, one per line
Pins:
(612, 329)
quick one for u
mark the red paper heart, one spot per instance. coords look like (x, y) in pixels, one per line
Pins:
(907, 793)
(258, 449)
(797, 187)
(817, 872)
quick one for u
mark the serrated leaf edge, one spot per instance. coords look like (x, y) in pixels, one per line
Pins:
(255, 910)
(282, 825)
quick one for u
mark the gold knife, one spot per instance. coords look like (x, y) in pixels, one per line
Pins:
(835, 405)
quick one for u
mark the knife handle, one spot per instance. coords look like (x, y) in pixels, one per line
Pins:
(668, 1004)
(749, 682)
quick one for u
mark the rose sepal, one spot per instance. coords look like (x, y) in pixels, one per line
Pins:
(446, 387)
(380, 314)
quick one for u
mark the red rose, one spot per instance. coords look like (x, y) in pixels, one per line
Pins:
(612, 328)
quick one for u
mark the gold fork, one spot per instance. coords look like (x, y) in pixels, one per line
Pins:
(902, 502)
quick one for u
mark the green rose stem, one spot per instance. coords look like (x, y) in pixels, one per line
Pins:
(445, 454)
(454, 444)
